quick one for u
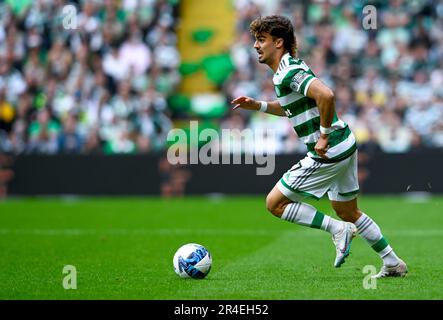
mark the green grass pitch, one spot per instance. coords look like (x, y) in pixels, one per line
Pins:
(122, 248)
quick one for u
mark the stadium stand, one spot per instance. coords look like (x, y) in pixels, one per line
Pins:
(111, 85)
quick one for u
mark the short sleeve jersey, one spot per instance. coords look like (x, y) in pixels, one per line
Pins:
(291, 83)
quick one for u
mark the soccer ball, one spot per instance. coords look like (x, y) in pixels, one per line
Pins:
(192, 261)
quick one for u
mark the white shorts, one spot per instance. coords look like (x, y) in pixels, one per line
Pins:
(309, 178)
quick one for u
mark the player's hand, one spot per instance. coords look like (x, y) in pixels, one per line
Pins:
(245, 103)
(322, 146)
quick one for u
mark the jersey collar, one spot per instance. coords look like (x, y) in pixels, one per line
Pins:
(284, 62)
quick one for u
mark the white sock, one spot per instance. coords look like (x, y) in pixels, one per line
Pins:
(306, 215)
(371, 232)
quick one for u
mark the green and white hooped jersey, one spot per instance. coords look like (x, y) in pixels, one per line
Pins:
(291, 83)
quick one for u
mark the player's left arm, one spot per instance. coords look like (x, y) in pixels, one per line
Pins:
(324, 98)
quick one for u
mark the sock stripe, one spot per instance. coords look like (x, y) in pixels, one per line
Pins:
(362, 223)
(317, 221)
(361, 227)
(366, 227)
(325, 222)
(370, 231)
(385, 251)
(291, 212)
(380, 244)
(286, 214)
(296, 210)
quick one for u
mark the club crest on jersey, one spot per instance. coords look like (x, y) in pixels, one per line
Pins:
(297, 80)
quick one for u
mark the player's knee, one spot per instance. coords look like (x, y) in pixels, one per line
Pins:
(273, 206)
(270, 205)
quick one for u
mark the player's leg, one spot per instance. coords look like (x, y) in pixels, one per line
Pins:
(343, 198)
(347, 210)
(313, 179)
(276, 202)
(300, 213)
(370, 231)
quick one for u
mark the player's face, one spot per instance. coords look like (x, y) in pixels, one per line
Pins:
(265, 46)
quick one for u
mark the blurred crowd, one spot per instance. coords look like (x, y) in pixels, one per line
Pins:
(103, 86)
(388, 81)
(86, 76)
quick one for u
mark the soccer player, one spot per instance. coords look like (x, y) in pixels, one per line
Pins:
(330, 165)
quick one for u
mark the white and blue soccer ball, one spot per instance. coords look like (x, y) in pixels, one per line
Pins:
(192, 261)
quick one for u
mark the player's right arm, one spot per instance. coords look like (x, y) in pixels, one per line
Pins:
(252, 104)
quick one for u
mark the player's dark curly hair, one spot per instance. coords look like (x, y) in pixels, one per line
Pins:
(277, 27)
